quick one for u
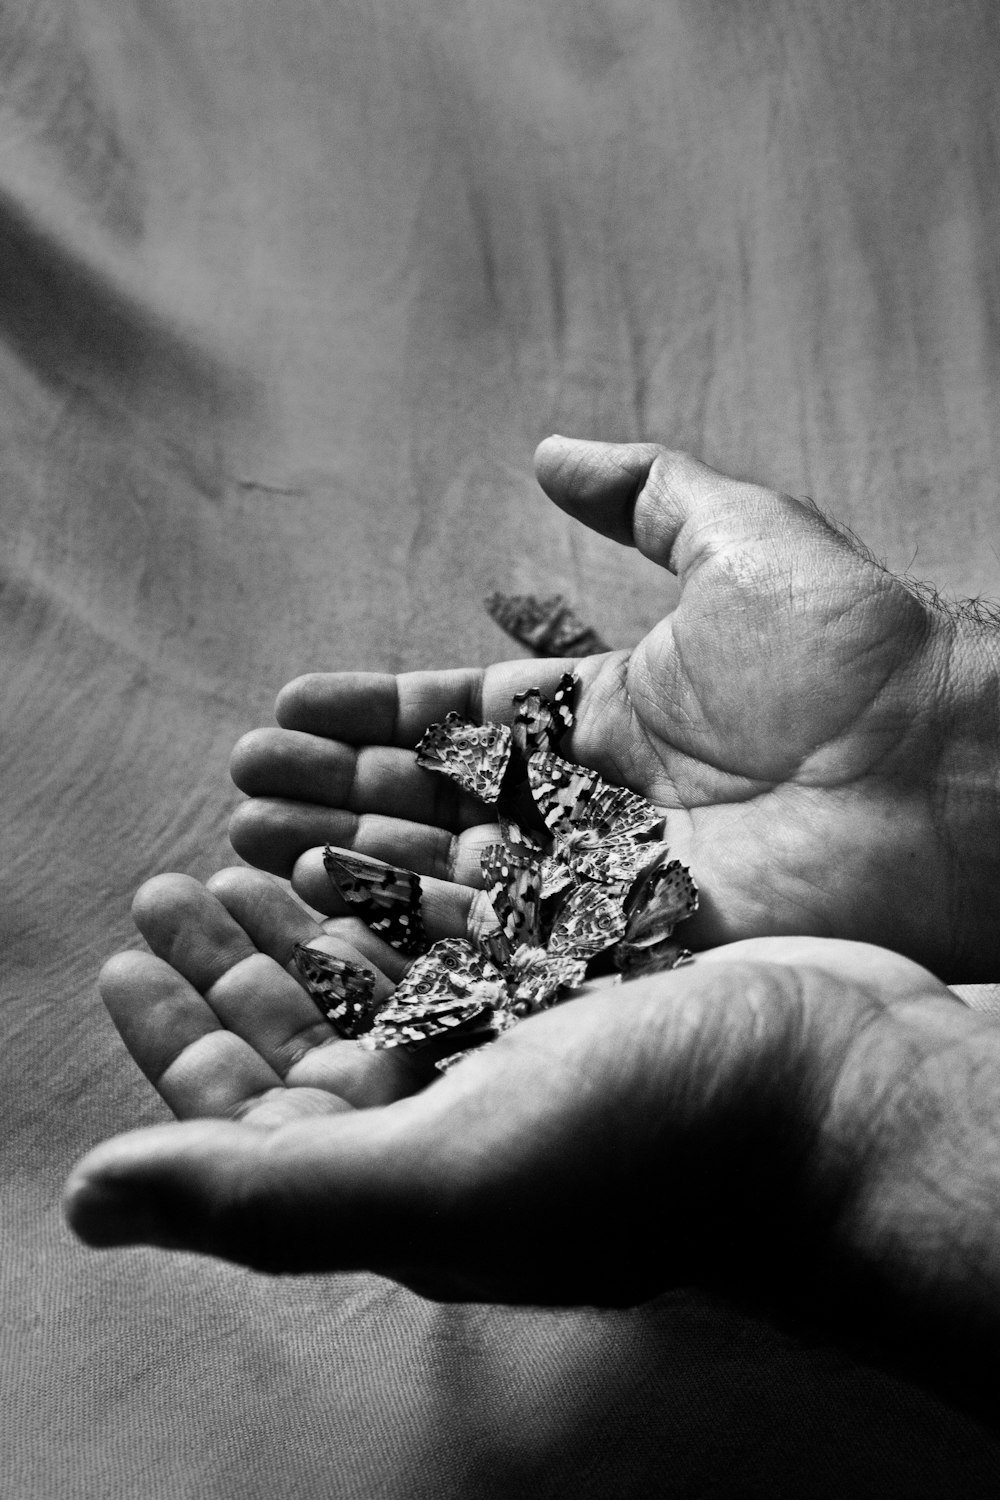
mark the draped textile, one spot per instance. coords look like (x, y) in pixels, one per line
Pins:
(288, 293)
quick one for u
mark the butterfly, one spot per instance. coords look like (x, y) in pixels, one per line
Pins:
(598, 828)
(515, 891)
(388, 898)
(662, 895)
(540, 723)
(452, 988)
(343, 991)
(538, 958)
(547, 626)
(475, 756)
(634, 962)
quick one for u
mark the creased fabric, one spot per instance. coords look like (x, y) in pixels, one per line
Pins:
(288, 293)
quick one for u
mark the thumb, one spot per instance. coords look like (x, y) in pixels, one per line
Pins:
(673, 508)
(337, 1194)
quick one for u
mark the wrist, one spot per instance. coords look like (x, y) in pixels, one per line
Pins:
(968, 793)
(911, 1151)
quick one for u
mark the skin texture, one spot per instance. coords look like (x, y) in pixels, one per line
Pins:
(823, 739)
(803, 1122)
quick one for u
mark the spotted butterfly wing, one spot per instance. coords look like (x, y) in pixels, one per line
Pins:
(387, 898)
(598, 827)
(450, 989)
(589, 920)
(474, 756)
(520, 839)
(540, 722)
(663, 895)
(535, 978)
(515, 890)
(634, 962)
(343, 991)
(548, 627)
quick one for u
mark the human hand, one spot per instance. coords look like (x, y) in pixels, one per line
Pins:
(218, 1019)
(823, 740)
(802, 1124)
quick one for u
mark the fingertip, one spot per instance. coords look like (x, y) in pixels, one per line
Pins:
(297, 698)
(252, 757)
(93, 1212)
(122, 971)
(248, 839)
(106, 1198)
(162, 895)
(594, 481)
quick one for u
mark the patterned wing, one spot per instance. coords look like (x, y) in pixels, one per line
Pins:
(589, 920)
(515, 890)
(547, 626)
(343, 991)
(537, 976)
(540, 723)
(501, 1021)
(634, 962)
(520, 840)
(614, 861)
(451, 988)
(494, 944)
(584, 813)
(475, 756)
(663, 895)
(556, 876)
(388, 898)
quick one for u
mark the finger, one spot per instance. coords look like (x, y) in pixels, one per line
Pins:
(271, 1008)
(194, 1063)
(267, 912)
(447, 909)
(673, 508)
(377, 778)
(370, 708)
(294, 1199)
(271, 834)
(276, 922)
(189, 929)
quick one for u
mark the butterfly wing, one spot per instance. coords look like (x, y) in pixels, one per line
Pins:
(515, 890)
(540, 722)
(452, 988)
(535, 978)
(635, 962)
(474, 756)
(547, 626)
(663, 895)
(343, 991)
(387, 898)
(589, 920)
(520, 839)
(580, 807)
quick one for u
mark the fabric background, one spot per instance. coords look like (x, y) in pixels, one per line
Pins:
(288, 293)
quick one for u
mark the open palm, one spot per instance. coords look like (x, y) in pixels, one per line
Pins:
(812, 727)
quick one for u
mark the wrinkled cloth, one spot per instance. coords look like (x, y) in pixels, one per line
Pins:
(288, 293)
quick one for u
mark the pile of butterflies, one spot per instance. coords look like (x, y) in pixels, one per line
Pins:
(580, 883)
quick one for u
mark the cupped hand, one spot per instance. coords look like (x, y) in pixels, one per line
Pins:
(822, 738)
(216, 1016)
(798, 1123)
